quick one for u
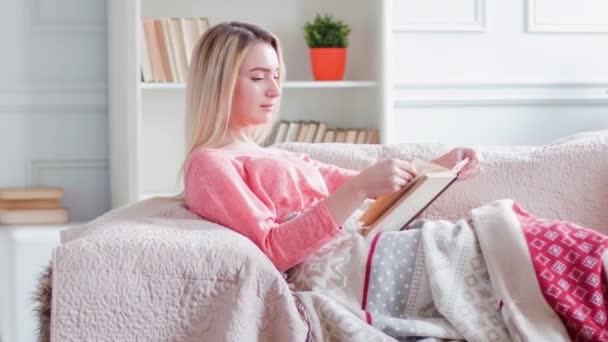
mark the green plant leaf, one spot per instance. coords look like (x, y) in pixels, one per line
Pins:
(325, 31)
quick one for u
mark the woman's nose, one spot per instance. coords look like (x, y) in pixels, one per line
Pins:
(274, 89)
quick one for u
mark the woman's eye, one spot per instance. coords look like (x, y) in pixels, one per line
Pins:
(257, 78)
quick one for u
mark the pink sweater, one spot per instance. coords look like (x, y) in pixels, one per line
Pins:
(275, 198)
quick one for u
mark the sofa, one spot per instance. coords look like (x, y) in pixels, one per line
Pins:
(155, 271)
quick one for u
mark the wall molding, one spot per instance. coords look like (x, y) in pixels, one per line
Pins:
(61, 97)
(475, 25)
(444, 94)
(37, 166)
(41, 23)
(534, 26)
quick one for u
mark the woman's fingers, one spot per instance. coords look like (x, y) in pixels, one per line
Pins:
(409, 168)
(470, 170)
(407, 174)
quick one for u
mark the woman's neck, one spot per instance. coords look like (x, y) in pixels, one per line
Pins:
(240, 143)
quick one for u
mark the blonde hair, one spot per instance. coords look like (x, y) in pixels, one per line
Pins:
(214, 67)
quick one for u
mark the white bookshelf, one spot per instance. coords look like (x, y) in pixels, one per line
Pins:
(147, 119)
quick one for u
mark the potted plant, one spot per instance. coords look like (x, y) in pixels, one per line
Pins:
(327, 39)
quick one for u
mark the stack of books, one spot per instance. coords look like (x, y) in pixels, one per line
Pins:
(319, 132)
(40, 205)
(166, 47)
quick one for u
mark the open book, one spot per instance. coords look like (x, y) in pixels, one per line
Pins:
(397, 210)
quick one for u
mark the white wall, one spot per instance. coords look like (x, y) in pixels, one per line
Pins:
(53, 112)
(464, 71)
(53, 132)
(497, 72)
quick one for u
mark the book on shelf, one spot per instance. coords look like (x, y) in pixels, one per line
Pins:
(153, 49)
(167, 45)
(302, 131)
(351, 136)
(373, 136)
(31, 193)
(147, 74)
(292, 131)
(34, 216)
(33, 205)
(190, 35)
(202, 25)
(320, 133)
(340, 135)
(313, 126)
(281, 132)
(330, 135)
(361, 136)
(164, 50)
(30, 204)
(177, 49)
(397, 210)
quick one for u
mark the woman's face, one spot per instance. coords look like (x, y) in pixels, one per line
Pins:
(257, 92)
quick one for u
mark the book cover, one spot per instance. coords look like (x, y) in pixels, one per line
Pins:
(320, 134)
(373, 136)
(351, 136)
(311, 132)
(176, 77)
(30, 204)
(33, 216)
(330, 136)
(292, 131)
(340, 135)
(31, 193)
(271, 136)
(190, 36)
(281, 132)
(202, 25)
(361, 136)
(146, 66)
(151, 42)
(301, 136)
(397, 210)
(164, 50)
(179, 51)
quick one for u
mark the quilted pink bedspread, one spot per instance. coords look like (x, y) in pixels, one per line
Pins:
(167, 276)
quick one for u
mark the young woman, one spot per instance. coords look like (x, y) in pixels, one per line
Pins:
(294, 209)
(287, 203)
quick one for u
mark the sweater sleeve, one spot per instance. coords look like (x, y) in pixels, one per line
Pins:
(216, 191)
(334, 176)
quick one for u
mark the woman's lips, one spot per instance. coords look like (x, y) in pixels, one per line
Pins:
(267, 106)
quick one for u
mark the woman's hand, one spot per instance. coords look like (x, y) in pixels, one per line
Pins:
(384, 177)
(450, 159)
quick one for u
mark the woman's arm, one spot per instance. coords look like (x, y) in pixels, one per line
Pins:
(216, 191)
(333, 175)
(344, 201)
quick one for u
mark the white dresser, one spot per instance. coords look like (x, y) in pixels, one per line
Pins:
(24, 253)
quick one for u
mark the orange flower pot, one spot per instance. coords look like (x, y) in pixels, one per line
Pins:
(328, 63)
